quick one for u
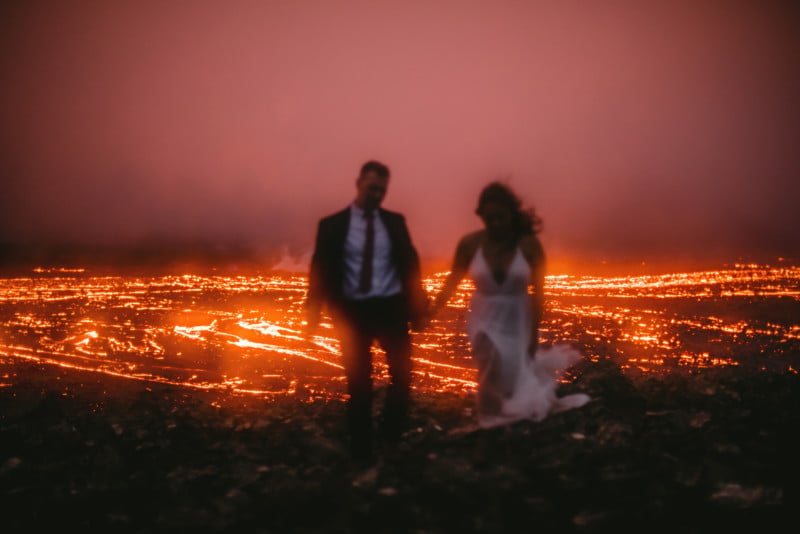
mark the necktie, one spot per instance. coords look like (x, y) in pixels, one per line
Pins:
(365, 282)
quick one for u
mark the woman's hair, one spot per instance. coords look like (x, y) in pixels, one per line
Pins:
(525, 220)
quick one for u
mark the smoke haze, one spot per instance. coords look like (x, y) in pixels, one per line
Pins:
(640, 131)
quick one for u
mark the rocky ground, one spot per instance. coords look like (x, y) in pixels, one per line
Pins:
(686, 452)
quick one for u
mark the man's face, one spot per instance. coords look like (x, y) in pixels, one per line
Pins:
(371, 189)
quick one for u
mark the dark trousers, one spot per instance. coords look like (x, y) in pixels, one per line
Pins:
(361, 323)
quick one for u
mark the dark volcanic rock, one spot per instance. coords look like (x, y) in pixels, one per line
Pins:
(675, 453)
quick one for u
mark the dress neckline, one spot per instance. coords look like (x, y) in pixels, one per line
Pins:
(507, 271)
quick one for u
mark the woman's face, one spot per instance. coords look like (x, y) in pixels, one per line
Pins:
(498, 219)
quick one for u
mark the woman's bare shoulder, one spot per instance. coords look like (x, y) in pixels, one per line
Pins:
(468, 244)
(472, 240)
(532, 248)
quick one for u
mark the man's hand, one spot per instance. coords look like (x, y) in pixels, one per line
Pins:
(422, 321)
(423, 318)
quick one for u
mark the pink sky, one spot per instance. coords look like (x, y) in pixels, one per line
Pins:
(637, 129)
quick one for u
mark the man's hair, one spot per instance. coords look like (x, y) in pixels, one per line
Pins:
(375, 166)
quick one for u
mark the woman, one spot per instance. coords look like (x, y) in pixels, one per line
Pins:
(506, 263)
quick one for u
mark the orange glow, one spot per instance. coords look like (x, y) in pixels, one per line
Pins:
(243, 334)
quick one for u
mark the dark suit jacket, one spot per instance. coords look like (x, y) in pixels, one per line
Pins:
(326, 279)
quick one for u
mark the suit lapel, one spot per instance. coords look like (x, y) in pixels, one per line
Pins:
(337, 233)
(388, 223)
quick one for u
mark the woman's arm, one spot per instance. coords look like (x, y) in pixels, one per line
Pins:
(464, 251)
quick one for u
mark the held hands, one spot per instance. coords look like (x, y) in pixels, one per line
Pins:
(423, 318)
(438, 303)
(421, 322)
(430, 310)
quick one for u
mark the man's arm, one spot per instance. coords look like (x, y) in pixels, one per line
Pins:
(315, 294)
(418, 301)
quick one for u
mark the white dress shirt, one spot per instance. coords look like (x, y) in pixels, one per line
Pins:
(385, 282)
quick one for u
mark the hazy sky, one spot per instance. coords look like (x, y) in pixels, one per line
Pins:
(636, 128)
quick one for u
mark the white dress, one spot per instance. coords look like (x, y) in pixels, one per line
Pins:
(511, 385)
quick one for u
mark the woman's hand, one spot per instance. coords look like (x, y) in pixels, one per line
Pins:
(439, 302)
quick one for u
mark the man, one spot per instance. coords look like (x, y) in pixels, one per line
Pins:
(366, 271)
